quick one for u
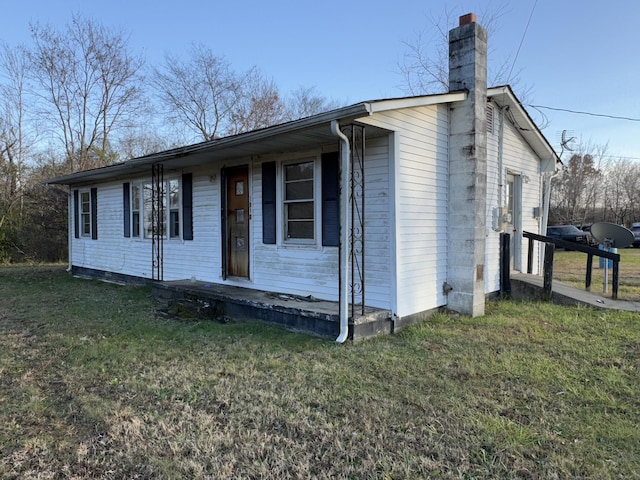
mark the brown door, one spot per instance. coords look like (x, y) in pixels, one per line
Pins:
(237, 221)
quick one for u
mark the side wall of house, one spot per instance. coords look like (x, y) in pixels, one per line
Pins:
(313, 269)
(113, 252)
(420, 173)
(519, 160)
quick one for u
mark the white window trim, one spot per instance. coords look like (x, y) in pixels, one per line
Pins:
(282, 239)
(141, 233)
(81, 213)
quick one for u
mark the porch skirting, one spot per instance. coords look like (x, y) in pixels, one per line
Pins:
(305, 314)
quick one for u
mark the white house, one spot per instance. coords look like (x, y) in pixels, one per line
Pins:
(421, 186)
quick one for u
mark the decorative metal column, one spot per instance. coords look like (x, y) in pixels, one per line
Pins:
(356, 136)
(157, 221)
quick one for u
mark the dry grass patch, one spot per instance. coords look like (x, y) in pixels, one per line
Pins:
(570, 268)
(93, 386)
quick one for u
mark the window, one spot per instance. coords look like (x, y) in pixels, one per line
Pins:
(177, 219)
(174, 209)
(142, 209)
(85, 214)
(135, 210)
(147, 210)
(298, 199)
(309, 195)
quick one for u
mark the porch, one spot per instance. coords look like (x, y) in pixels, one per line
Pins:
(194, 300)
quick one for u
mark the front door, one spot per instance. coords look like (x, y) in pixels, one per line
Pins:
(237, 221)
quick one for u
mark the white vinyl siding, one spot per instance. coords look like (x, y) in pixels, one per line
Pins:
(313, 269)
(421, 179)
(199, 258)
(518, 159)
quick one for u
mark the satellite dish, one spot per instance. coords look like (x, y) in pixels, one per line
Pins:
(612, 235)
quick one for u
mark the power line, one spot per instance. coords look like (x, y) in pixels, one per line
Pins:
(591, 114)
(522, 40)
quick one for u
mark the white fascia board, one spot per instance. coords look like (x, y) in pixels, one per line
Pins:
(412, 102)
(532, 134)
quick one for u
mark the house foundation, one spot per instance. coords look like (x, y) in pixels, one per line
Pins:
(207, 301)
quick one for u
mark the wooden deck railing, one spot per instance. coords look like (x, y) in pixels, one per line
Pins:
(551, 243)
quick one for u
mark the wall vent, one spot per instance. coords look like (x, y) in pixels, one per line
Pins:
(490, 116)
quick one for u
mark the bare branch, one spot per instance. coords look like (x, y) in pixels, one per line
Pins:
(89, 81)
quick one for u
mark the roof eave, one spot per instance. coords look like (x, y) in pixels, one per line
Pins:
(419, 101)
(139, 164)
(536, 139)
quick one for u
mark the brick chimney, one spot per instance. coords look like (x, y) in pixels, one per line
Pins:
(467, 167)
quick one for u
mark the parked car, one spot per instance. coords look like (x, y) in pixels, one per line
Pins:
(635, 229)
(569, 233)
(586, 227)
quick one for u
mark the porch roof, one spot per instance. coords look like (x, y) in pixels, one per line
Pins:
(303, 133)
(290, 136)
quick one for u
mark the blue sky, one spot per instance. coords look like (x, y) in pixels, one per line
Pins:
(577, 54)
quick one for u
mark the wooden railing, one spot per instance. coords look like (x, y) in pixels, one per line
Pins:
(547, 269)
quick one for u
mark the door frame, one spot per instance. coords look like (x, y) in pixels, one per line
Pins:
(224, 228)
(514, 222)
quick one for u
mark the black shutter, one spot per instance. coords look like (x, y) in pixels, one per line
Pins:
(94, 213)
(76, 213)
(269, 202)
(187, 206)
(126, 203)
(331, 199)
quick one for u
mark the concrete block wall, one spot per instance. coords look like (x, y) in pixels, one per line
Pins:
(467, 167)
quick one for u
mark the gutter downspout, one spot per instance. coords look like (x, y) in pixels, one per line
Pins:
(545, 214)
(344, 232)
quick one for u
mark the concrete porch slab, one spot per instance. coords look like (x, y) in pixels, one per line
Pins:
(306, 314)
(526, 286)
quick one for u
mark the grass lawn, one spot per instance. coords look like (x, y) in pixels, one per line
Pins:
(93, 386)
(571, 267)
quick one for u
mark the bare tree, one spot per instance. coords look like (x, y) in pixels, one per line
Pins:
(305, 101)
(202, 92)
(425, 66)
(14, 145)
(90, 83)
(139, 142)
(260, 105)
(621, 191)
(631, 184)
(212, 100)
(576, 192)
(13, 138)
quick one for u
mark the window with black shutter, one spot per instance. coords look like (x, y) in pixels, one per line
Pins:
(126, 206)
(331, 199)
(94, 213)
(76, 213)
(269, 203)
(187, 206)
